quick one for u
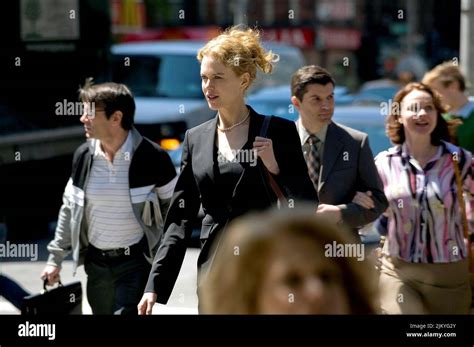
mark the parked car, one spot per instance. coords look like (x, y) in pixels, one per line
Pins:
(376, 92)
(165, 79)
(369, 119)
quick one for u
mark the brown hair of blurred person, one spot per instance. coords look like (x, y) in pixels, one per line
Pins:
(446, 73)
(448, 80)
(247, 256)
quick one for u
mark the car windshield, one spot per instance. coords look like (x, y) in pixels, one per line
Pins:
(160, 76)
(276, 108)
(280, 75)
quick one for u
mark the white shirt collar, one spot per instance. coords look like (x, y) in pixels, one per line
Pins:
(304, 134)
(413, 161)
(127, 147)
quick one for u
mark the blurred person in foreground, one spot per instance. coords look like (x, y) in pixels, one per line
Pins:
(424, 265)
(224, 159)
(280, 262)
(10, 289)
(114, 203)
(339, 159)
(448, 80)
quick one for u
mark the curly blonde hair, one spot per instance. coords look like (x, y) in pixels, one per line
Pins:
(241, 50)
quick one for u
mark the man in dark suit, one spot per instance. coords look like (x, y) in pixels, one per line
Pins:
(339, 158)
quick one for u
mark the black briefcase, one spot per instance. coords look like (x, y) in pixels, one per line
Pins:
(63, 299)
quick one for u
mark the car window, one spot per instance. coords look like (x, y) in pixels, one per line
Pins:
(282, 71)
(276, 108)
(171, 76)
(378, 140)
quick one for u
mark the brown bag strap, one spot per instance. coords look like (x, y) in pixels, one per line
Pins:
(282, 201)
(462, 206)
(276, 189)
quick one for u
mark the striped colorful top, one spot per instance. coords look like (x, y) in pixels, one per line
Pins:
(424, 218)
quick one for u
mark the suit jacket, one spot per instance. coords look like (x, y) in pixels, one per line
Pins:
(196, 185)
(348, 166)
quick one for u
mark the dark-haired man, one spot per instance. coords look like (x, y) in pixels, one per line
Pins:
(339, 158)
(114, 203)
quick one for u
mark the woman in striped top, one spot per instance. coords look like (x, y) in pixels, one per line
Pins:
(424, 265)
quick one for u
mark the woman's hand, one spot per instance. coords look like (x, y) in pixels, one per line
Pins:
(264, 148)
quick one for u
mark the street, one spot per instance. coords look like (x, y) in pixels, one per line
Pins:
(183, 300)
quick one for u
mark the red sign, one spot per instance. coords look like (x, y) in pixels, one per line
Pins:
(299, 37)
(330, 38)
(179, 33)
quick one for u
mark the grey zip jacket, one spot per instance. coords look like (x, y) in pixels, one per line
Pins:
(150, 168)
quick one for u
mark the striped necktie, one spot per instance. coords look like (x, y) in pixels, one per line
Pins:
(313, 160)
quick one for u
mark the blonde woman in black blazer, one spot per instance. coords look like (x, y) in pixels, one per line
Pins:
(224, 159)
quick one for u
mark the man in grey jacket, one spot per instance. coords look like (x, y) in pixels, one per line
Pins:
(114, 203)
(339, 158)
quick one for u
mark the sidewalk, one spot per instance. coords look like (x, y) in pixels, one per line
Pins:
(26, 273)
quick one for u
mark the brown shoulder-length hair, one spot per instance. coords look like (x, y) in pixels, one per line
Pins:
(395, 130)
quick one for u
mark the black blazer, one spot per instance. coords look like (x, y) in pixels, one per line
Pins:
(196, 185)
